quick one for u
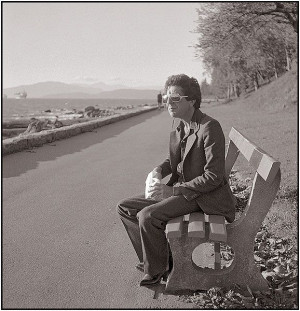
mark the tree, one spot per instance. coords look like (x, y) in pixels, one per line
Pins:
(281, 12)
(243, 43)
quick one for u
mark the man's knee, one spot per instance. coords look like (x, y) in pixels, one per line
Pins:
(147, 219)
(143, 216)
(124, 209)
(121, 207)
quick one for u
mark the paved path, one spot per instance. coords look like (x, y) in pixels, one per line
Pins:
(63, 244)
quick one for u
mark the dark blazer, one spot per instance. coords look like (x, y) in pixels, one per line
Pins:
(203, 166)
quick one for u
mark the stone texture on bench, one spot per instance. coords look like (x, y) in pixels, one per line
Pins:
(263, 163)
(196, 226)
(217, 228)
(174, 228)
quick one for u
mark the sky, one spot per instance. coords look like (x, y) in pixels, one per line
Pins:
(133, 44)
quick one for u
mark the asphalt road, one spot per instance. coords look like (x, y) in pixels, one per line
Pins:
(63, 245)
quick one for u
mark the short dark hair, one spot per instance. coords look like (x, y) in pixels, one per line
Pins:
(190, 86)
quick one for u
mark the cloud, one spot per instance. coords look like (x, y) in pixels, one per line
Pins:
(114, 79)
(85, 79)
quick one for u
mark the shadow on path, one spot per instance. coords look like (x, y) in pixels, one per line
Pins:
(160, 289)
(19, 163)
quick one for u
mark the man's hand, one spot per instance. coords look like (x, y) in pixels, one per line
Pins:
(161, 191)
(153, 178)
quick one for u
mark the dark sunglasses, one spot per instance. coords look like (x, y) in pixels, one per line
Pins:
(175, 98)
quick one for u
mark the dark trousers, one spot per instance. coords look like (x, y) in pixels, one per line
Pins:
(145, 221)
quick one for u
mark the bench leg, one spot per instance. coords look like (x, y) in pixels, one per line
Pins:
(187, 277)
(217, 250)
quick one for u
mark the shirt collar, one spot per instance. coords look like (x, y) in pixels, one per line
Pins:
(197, 115)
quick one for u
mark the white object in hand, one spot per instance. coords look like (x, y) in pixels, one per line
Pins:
(153, 178)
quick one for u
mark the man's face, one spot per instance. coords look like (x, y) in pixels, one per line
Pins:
(182, 107)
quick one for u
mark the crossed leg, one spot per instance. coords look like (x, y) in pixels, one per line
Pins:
(145, 221)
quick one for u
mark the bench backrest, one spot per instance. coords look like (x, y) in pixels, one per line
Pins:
(267, 174)
(263, 163)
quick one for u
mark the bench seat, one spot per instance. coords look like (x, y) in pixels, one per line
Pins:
(216, 229)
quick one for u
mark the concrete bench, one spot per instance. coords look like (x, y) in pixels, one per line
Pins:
(186, 233)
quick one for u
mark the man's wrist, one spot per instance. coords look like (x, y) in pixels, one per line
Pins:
(157, 169)
(176, 191)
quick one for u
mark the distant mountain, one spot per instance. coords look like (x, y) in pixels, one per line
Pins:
(129, 94)
(106, 87)
(151, 87)
(64, 90)
(78, 95)
(102, 86)
(115, 94)
(46, 89)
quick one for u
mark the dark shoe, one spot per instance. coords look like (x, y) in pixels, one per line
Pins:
(152, 280)
(140, 266)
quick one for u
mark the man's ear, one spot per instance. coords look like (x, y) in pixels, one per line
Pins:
(192, 102)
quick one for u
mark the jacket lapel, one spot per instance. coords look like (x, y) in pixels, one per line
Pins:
(195, 125)
(175, 148)
(189, 143)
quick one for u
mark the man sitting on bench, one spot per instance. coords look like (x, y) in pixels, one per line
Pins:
(196, 163)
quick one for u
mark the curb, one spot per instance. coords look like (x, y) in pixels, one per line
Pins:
(16, 144)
